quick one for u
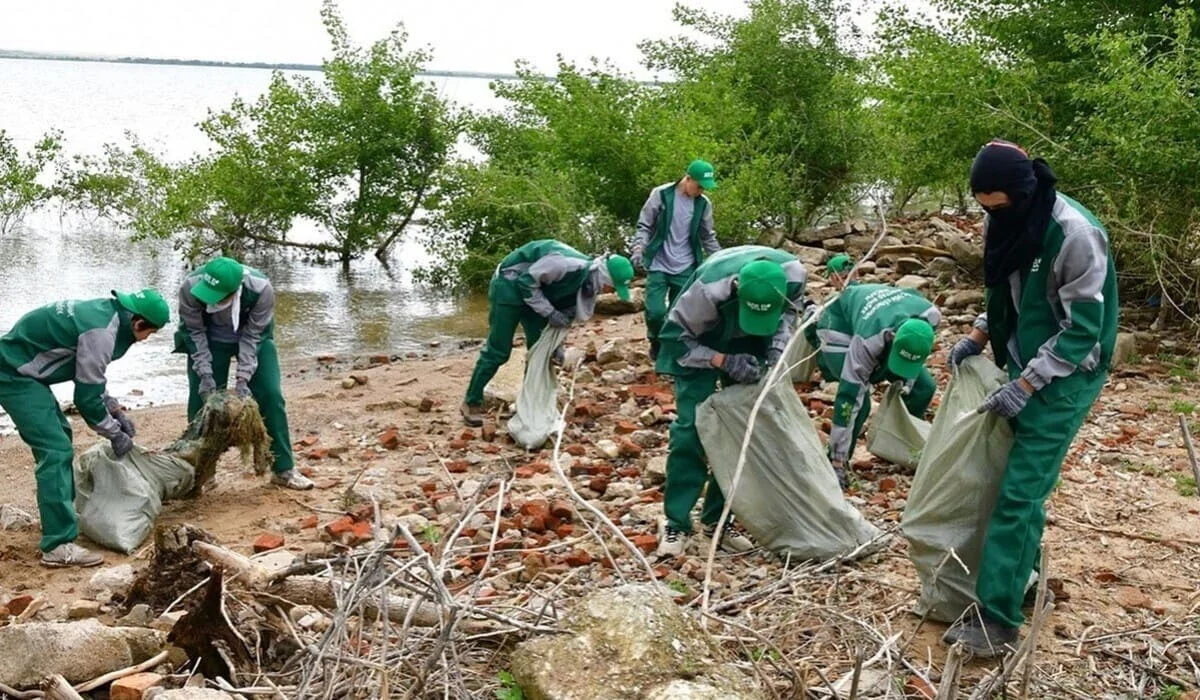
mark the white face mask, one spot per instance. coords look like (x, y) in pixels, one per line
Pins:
(234, 302)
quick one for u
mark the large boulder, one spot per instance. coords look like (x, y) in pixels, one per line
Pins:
(809, 255)
(629, 642)
(79, 651)
(611, 305)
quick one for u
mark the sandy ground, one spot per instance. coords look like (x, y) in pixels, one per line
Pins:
(1123, 540)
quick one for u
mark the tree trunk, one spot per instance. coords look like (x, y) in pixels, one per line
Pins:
(382, 251)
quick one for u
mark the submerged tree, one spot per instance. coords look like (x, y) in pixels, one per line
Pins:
(20, 191)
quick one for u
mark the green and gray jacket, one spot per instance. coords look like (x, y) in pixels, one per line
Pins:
(674, 231)
(860, 324)
(549, 276)
(202, 325)
(72, 341)
(1059, 317)
(703, 320)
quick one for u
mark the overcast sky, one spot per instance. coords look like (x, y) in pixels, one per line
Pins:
(477, 35)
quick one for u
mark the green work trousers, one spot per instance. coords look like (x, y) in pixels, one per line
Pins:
(266, 387)
(661, 289)
(502, 326)
(41, 424)
(687, 467)
(1042, 434)
(917, 402)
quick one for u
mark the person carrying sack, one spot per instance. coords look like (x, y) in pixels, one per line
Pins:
(1051, 320)
(872, 333)
(732, 320)
(228, 311)
(542, 283)
(71, 341)
(674, 233)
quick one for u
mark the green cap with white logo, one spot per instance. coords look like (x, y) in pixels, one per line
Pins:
(839, 264)
(218, 279)
(148, 304)
(761, 292)
(620, 271)
(910, 348)
(702, 172)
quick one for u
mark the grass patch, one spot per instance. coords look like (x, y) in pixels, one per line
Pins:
(1185, 485)
(1184, 408)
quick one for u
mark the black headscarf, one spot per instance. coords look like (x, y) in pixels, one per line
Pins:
(1015, 232)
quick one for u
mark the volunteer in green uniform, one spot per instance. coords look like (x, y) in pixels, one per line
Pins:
(674, 233)
(228, 311)
(873, 333)
(732, 320)
(1051, 320)
(64, 342)
(838, 268)
(542, 282)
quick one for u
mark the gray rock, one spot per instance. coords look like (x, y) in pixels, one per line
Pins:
(963, 299)
(834, 245)
(115, 579)
(611, 352)
(912, 282)
(608, 448)
(1125, 350)
(808, 255)
(139, 616)
(629, 642)
(967, 254)
(79, 651)
(611, 304)
(618, 376)
(13, 518)
(620, 491)
(655, 471)
(415, 522)
(818, 235)
(942, 266)
(83, 609)
(909, 266)
(506, 385)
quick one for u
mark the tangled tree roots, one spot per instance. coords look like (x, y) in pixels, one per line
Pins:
(224, 421)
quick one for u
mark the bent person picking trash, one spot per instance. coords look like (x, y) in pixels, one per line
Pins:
(542, 283)
(71, 341)
(1051, 321)
(732, 320)
(228, 311)
(873, 333)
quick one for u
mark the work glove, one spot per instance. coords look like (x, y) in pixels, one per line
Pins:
(121, 444)
(774, 356)
(967, 347)
(558, 356)
(558, 319)
(906, 387)
(743, 368)
(811, 308)
(207, 385)
(1007, 401)
(637, 257)
(126, 423)
(242, 388)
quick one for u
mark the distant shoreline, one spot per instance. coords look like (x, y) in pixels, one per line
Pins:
(309, 67)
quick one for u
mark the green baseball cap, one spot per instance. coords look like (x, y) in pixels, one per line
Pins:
(839, 263)
(762, 292)
(148, 304)
(620, 271)
(702, 171)
(218, 279)
(910, 348)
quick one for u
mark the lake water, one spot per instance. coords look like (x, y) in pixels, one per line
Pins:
(321, 308)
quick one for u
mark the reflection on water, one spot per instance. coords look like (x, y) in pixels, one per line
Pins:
(321, 309)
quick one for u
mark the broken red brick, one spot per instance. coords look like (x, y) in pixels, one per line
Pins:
(458, 444)
(308, 471)
(887, 483)
(318, 453)
(339, 527)
(466, 435)
(491, 449)
(309, 440)
(458, 467)
(532, 523)
(601, 469)
(524, 472)
(580, 557)
(429, 486)
(917, 687)
(536, 506)
(646, 543)
(488, 432)
(599, 484)
(17, 605)
(540, 467)
(629, 472)
(585, 409)
(625, 427)
(308, 522)
(267, 541)
(575, 450)
(564, 531)
(427, 405)
(133, 687)
(561, 508)
(629, 448)
(390, 438)
(364, 511)
(361, 532)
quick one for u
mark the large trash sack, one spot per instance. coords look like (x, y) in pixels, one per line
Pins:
(537, 414)
(119, 499)
(954, 491)
(895, 435)
(788, 497)
(802, 358)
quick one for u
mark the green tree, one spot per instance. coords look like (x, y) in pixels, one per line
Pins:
(20, 191)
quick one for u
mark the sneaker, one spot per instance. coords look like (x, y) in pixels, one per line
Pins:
(70, 554)
(472, 414)
(733, 540)
(292, 479)
(982, 637)
(670, 541)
